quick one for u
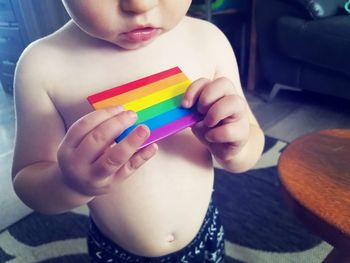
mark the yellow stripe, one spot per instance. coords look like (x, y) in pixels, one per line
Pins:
(138, 93)
(157, 97)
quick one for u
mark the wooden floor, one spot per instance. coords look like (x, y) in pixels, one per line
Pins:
(292, 113)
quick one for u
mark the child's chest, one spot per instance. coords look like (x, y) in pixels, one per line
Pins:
(95, 74)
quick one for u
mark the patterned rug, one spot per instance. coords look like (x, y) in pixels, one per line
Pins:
(258, 226)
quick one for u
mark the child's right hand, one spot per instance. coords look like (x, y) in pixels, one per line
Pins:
(88, 158)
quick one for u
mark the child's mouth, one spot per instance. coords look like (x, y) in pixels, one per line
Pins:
(141, 34)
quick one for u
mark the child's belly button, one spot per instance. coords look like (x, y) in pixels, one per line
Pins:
(170, 238)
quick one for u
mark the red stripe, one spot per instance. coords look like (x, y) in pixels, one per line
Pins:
(132, 85)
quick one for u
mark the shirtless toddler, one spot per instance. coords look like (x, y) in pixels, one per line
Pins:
(148, 205)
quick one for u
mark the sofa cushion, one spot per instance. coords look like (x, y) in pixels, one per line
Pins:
(322, 8)
(324, 43)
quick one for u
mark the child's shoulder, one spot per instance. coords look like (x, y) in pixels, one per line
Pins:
(205, 32)
(198, 23)
(37, 52)
(44, 48)
(40, 59)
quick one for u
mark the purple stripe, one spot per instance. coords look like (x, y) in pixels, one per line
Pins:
(172, 127)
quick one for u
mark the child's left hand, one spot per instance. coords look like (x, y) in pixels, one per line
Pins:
(225, 127)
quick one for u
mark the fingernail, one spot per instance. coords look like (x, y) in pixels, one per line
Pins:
(199, 124)
(132, 114)
(153, 147)
(208, 138)
(142, 131)
(186, 103)
(116, 109)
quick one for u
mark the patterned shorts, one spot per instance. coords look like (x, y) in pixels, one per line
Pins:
(207, 245)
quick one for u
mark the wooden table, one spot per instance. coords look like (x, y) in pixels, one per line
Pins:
(315, 174)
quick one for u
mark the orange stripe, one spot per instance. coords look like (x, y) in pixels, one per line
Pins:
(141, 92)
(132, 85)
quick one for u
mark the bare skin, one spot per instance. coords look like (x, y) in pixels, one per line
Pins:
(151, 202)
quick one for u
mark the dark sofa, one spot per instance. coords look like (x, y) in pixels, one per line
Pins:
(304, 44)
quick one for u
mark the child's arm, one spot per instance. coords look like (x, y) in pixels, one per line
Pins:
(229, 129)
(54, 171)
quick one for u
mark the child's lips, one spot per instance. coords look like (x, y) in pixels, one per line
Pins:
(141, 34)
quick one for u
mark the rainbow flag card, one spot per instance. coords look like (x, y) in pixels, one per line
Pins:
(157, 101)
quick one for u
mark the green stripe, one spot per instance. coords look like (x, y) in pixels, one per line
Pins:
(158, 109)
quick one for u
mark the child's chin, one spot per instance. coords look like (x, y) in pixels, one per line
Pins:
(133, 45)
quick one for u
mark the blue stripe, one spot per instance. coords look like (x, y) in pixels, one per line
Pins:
(158, 121)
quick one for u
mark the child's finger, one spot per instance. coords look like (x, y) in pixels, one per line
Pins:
(214, 91)
(233, 132)
(192, 93)
(138, 159)
(231, 106)
(97, 140)
(87, 123)
(115, 157)
(199, 130)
